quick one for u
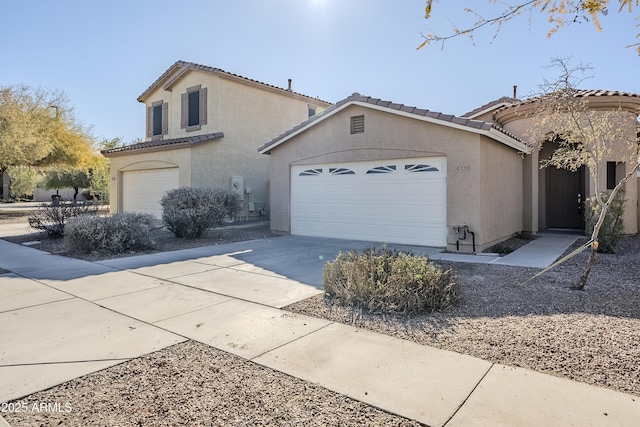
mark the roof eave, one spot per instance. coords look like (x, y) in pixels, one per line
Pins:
(487, 110)
(490, 132)
(162, 145)
(508, 141)
(179, 145)
(178, 70)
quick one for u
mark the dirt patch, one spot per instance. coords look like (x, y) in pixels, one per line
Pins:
(511, 244)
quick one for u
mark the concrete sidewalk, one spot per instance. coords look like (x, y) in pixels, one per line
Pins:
(539, 253)
(64, 318)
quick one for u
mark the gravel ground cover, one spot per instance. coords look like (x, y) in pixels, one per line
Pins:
(164, 239)
(592, 336)
(192, 384)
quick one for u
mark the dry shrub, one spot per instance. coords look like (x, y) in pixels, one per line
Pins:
(189, 212)
(389, 281)
(109, 234)
(52, 217)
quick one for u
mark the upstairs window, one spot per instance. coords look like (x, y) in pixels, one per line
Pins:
(194, 108)
(157, 120)
(312, 111)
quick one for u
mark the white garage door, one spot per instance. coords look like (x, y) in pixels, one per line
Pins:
(394, 201)
(142, 190)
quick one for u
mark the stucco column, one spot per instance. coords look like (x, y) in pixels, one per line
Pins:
(530, 193)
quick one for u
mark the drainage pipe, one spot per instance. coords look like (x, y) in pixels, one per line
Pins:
(473, 239)
(465, 229)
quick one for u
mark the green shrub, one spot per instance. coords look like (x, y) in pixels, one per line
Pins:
(109, 234)
(388, 281)
(189, 212)
(612, 228)
(52, 217)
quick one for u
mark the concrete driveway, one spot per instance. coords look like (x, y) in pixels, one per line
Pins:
(293, 257)
(63, 318)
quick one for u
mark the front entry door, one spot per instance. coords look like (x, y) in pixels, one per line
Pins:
(565, 197)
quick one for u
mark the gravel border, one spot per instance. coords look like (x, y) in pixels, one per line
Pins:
(164, 240)
(192, 384)
(592, 336)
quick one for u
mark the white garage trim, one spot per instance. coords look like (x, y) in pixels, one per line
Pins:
(394, 201)
(143, 189)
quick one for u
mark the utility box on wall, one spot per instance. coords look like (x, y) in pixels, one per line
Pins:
(237, 186)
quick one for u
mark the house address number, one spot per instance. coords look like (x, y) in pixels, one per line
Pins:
(463, 168)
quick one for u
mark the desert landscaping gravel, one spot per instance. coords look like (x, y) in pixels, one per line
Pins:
(592, 336)
(192, 384)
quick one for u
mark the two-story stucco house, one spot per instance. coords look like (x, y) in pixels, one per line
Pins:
(203, 125)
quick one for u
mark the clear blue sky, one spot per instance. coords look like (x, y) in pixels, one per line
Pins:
(104, 54)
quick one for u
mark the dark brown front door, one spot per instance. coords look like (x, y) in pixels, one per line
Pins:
(565, 196)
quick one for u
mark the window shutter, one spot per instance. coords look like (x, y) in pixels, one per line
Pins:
(203, 106)
(149, 122)
(165, 118)
(183, 111)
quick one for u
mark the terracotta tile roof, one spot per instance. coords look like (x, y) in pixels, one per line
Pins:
(465, 122)
(174, 142)
(498, 102)
(581, 93)
(182, 66)
(506, 102)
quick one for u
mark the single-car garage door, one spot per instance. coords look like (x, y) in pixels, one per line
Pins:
(142, 190)
(394, 201)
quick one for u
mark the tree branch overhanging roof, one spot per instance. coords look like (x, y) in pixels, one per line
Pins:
(476, 126)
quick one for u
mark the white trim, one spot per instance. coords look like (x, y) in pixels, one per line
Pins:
(490, 133)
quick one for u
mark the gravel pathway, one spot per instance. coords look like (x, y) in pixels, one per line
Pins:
(591, 336)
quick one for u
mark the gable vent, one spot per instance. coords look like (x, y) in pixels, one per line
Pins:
(357, 124)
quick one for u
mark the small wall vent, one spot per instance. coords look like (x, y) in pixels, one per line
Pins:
(357, 124)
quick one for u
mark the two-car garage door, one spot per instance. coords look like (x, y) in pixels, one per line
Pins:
(143, 189)
(395, 201)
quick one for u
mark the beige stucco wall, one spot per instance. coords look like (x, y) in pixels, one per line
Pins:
(248, 116)
(173, 98)
(389, 136)
(520, 124)
(247, 112)
(501, 201)
(180, 158)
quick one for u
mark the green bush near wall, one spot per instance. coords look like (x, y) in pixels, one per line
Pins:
(612, 228)
(189, 212)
